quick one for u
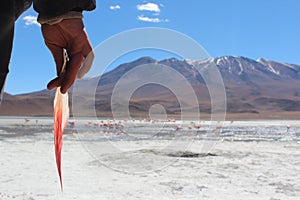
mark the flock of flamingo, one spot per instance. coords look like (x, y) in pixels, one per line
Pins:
(120, 124)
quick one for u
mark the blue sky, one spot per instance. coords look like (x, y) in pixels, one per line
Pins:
(267, 29)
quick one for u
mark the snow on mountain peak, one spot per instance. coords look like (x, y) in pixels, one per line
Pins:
(269, 65)
(241, 66)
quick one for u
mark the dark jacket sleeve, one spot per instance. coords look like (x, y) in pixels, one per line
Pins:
(7, 23)
(20, 6)
(53, 8)
(10, 10)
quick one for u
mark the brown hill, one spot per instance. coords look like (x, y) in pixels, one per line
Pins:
(254, 89)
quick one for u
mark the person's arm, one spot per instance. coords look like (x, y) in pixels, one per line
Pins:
(10, 10)
(7, 24)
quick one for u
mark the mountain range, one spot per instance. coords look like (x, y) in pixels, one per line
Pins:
(254, 89)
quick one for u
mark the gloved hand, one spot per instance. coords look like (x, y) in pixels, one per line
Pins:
(67, 75)
(68, 35)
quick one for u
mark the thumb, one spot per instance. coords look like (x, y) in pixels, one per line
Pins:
(86, 65)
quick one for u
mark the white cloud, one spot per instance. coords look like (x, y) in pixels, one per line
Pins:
(153, 20)
(148, 19)
(148, 7)
(31, 20)
(116, 7)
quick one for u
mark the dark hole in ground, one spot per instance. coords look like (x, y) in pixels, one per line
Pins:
(187, 154)
(179, 154)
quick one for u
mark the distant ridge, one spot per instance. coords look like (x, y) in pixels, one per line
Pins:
(255, 89)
